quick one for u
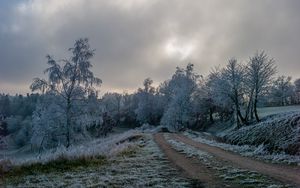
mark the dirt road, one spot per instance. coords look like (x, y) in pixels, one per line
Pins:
(287, 174)
(190, 167)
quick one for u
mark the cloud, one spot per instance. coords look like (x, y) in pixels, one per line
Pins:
(131, 37)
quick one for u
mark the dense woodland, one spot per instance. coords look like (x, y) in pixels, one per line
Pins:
(65, 107)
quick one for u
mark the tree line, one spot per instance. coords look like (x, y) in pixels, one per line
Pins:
(67, 108)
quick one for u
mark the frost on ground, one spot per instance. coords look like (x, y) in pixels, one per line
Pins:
(107, 147)
(230, 175)
(258, 152)
(266, 111)
(278, 133)
(142, 165)
(274, 139)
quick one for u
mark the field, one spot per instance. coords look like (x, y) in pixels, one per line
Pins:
(136, 159)
(140, 165)
(266, 111)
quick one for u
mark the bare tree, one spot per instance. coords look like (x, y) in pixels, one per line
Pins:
(260, 70)
(71, 78)
(233, 73)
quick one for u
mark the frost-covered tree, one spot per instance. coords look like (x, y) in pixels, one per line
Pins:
(15, 117)
(225, 90)
(5, 106)
(202, 105)
(147, 110)
(282, 90)
(128, 115)
(71, 79)
(217, 92)
(260, 71)
(19, 129)
(18, 105)
(297, 90)
(297, 84)
(178, 113)
(48, 124)
(234, 74)
(112, 104)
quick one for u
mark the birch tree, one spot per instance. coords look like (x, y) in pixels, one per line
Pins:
(70, 79)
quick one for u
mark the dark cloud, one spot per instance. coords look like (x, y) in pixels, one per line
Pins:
(131, 37)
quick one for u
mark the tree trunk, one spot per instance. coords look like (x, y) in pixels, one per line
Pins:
(238, 121)
(249, 106)
(211, 118)
(68, 121)
(255, 108)
(251, 112)
(243, 120)
(237, 107)
(238, 113)
(41, 145)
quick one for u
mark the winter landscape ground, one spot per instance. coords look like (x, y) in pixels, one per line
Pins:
(147, 157)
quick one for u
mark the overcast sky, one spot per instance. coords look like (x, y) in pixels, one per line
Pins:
(135, 39)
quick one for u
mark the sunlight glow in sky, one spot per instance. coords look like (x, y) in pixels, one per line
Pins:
(179, 49)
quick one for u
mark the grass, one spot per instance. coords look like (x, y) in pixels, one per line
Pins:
(141, 165)
(265, 111)
(62, 164)
(129, 152)
(74, 160)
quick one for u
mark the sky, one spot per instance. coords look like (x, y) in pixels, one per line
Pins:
(136, 39)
